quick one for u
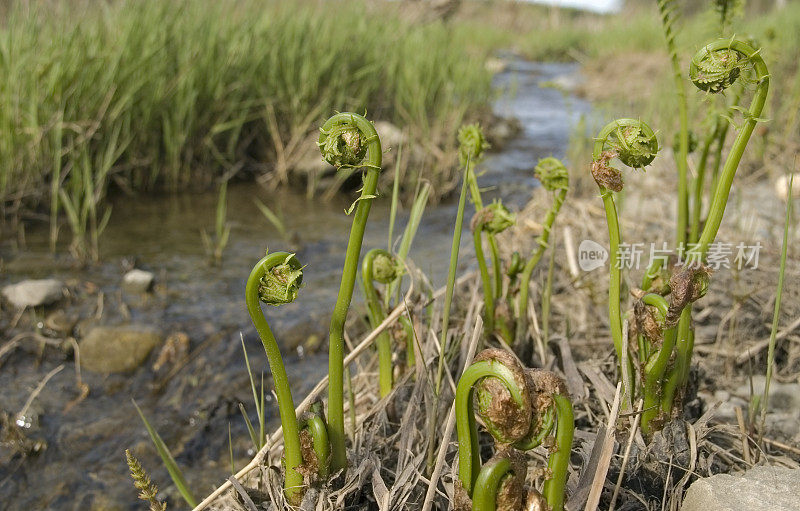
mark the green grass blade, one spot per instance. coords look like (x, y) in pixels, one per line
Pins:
(395, 199)
(169, 462)
(777, 313)
(250, 429)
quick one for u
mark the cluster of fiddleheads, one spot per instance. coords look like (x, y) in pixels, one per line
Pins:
(520, 408)
(713, 69)
(662, 335)
(491, 220)
(313, 447)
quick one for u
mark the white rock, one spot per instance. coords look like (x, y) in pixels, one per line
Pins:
(761, 488)
(32, 293)
(137, 281)
(782, 187)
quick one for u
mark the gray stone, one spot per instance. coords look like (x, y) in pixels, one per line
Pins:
(391, 136)
(117, 349)
(762, 488)
(308, 161)
(137, 281)
(782, 396)
(33, 293)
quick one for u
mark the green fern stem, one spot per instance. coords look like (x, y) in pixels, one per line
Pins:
(723, 187)
(293, 482)
(488, 290)
(558, 461)
(376, 316)
(490, 478)
(635, 144)
(371, 145)
(656, 364)
(315, 425)
(713, 69)
(524, 287)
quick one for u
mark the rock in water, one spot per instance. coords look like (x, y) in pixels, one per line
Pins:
(33, 293)
(137, 281)
(762, 488)
(117, 349)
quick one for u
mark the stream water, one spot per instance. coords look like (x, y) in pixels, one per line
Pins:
(83, 465)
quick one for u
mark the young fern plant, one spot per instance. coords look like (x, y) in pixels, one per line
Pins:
(554, 178)
(275, 280)
(382, 267)
(490, 220)
(347, 141)
(519, 408)
(635, 144)
(713, 69)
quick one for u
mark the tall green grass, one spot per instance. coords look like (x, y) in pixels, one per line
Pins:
(151, 94)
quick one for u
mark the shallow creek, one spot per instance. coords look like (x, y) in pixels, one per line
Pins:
(83, 465)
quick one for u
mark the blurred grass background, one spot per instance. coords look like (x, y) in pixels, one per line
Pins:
(152, 95)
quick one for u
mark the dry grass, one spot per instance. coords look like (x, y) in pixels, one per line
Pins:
(387, 447)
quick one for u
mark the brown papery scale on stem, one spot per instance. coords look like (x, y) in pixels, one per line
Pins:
(647, 322)
(605, 175)
(506, 420)
(461, 500)
(535, 501)
(688, 284)
(310, 467)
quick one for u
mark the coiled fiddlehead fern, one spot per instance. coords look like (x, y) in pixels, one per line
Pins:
(492, 220)
(347, 140)
(636, 145)
(518, 408)
(275, 280)
(554, 178)
(380, 266)
(714, 68)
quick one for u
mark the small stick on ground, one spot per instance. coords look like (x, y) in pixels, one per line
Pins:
(631, 436)
(38, 390)
(743, 432)
(248, 502)
(605, 458)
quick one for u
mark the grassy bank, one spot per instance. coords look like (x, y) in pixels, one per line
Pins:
(150, 94)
